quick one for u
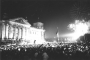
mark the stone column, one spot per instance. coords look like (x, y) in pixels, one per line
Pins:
(14, 33)
(26, 33)
(3, 31)
(21, 33)
(7, 31)
(43, 34)
(17, 33)
(11, 32)
(0, 31)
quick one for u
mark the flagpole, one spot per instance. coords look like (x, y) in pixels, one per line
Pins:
(57, 34)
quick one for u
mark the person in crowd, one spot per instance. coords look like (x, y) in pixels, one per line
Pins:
(45, 56)
(34, 41)
(36, 56)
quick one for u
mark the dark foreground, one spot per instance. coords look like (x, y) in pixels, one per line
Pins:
(14, 55)
(67, 52)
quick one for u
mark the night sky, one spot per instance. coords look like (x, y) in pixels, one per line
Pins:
(52, 13)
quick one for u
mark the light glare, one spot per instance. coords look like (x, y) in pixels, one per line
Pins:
(79, 28)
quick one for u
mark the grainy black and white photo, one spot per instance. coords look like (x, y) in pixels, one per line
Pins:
(45, 30)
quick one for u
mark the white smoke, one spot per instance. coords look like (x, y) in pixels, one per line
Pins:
(79, 28)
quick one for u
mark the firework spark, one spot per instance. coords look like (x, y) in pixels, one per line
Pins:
(79, 28)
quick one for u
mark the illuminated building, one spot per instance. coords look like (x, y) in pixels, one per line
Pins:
(19, 29)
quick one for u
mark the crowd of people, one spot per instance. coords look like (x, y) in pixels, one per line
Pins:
(49, 51)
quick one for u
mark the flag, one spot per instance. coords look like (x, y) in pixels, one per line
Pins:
(57, 33)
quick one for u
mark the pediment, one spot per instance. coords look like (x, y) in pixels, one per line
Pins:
(20, 20)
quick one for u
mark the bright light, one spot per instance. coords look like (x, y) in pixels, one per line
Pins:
(79, 28)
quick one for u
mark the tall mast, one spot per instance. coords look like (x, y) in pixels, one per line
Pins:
(57, 34)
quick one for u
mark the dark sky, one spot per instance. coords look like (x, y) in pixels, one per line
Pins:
(52, 13)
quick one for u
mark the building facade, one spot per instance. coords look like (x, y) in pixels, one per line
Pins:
(19, 29)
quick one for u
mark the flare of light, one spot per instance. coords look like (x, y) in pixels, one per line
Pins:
(79, 28)
(30, 38)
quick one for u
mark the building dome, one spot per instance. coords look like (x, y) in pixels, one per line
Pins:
(38, 25)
